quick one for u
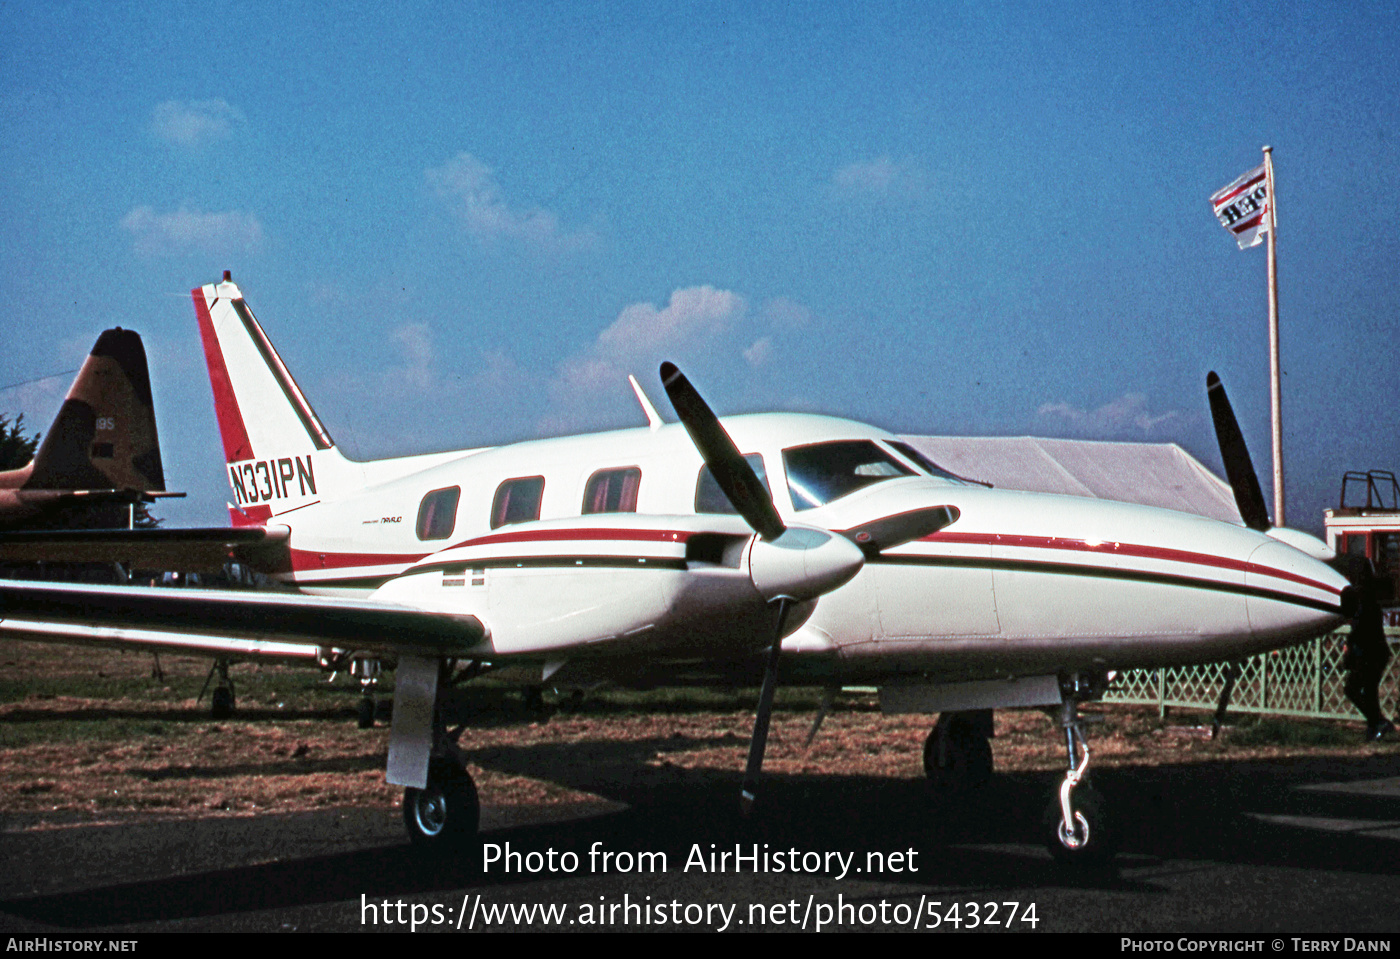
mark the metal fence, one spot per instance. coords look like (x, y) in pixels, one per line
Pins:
(1302, 680)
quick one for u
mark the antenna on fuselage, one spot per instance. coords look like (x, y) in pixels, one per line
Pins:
(653, 418)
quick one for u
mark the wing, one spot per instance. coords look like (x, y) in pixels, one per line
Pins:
(210, 622)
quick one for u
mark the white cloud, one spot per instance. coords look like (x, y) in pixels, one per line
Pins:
(468, 188)
(416, 372)
(881, 178)
(692, 325)
(185, 230)
(786, 313)
(194, 122)
(1126, 416)
(758, 353)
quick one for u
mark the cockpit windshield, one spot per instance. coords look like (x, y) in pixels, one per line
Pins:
(823, 472)
(928, 465)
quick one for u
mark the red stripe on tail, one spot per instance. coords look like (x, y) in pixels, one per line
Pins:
(237, 446)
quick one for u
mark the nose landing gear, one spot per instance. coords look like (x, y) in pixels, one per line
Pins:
(1079, 831)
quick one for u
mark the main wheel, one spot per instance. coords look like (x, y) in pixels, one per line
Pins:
(1092, 841)
(364, 716)
(957, 754)
(447, 812)
(221, 702)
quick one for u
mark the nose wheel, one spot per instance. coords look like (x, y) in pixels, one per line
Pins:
(1089, 841)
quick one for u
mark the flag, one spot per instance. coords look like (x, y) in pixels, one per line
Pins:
(1243, 207)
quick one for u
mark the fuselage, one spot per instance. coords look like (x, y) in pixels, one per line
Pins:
(1020, 584)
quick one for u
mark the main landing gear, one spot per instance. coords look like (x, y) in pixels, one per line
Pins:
(445, 814)
(221, 700)
(1078, 830)
(367, 672)
(958, 752)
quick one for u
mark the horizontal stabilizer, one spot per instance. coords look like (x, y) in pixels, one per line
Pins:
(186, 550)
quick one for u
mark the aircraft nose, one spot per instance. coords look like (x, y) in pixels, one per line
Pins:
(1293, 597)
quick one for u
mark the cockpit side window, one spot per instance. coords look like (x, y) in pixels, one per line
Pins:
(437, 514)
(823, 472)
(709, 498)
(517, 501)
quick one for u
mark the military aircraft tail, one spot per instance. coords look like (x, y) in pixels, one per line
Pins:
(104, 437)
(279, 454)
(102, 447)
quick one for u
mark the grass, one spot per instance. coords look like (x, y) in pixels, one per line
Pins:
(1291, 731)
(84, 731)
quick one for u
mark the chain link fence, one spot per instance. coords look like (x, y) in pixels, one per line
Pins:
(1304, 680)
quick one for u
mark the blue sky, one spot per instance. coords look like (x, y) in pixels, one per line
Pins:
(464, 224)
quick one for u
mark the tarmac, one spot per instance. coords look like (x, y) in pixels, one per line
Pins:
(1264, 848)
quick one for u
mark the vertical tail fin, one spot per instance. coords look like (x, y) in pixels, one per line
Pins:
(104, 436)
(279, 454)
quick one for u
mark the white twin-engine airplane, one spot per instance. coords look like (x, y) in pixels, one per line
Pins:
(788, 547)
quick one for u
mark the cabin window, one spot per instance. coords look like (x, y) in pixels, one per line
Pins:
(709, 498)
(612, 491)
(437, 514)
(823, 472)
(517, 501)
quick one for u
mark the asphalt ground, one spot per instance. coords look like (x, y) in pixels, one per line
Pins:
(1262, 848)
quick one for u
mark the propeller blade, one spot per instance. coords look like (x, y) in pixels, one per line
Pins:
(759, 742)
(734, 476)
(1249, 498)
(875, 537)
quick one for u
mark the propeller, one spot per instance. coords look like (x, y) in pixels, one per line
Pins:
(1239, 469)
(787, 564)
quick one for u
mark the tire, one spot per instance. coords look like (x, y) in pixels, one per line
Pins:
(966, 761)
(445, 815)
(364, 717)
(221, 703)
(1094, 843)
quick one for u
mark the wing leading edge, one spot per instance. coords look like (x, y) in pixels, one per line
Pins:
(208, 621)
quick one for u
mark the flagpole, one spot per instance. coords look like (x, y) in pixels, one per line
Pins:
(1275, 384)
